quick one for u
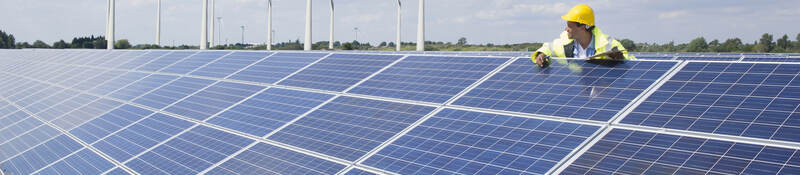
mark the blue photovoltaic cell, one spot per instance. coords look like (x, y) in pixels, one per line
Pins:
(82, 162)
(122, 59)
(744, 99)
(112, 56)
(97, 80)
(428, 78)
(636, 152)
(41, 155)
(709, 58)
(230, 64)
(117, 83)
(277, 67)
(165, 60)
(568, 88)
(190, 152)
(15, 124)
(142, 86)
(56, 111)
(85, 113)
(76, 78)
(771, 59)
(141, 136)
(466, 142)
(213, 99)
(141, 60)
(108, 123)
(49, 101)
(268, 159)
(655, 57)
(172, 92)
(349, 127)
(193, 62)
(30, 138)
(117, 171)
(356, 171)
(338, 72)
(268, 110)
(38, 96)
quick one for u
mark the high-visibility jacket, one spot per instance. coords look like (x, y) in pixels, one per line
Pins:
(563, 46)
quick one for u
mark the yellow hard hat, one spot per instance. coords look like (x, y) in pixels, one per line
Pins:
(581, 13)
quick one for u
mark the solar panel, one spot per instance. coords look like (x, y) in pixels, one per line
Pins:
(568, 88)
(189, 153)
(427, 78)
(268, 110)
(624, 151)
(172, 92)
(771, 59)
(165, 60)
(213, 99)
(744, 99)
(338, 72)
(117, 83)
(39, 156)
(356, 171)
(349, 127)
(230, 64)
(141, 60)
(109, 123)
(82, 162)
(466, 142)
(708, 58)
(277, 66)
(275, 160)
(141, 136)
(193, 62)
(142, 86)
(252, 112)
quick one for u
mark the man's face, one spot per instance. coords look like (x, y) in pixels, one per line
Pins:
(572, 28)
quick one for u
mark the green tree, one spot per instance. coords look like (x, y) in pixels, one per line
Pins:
(697, 45)
(23, 45)
(122, 44)
(40, 44)
(462, 41)
(383, 44)
(765, 44)
(730, 45)
(784, 42)
(628, 44)
(713, 46)
(60, 44)
(347, 46)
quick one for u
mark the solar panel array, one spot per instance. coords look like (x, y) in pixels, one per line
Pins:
(245, 112)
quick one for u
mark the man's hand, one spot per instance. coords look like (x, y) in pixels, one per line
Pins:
(542, 60)
(616, 55)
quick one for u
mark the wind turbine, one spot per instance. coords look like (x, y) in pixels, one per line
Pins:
(397, 43)
(158, 24)
(211, 41)
(110, 26)
(204, 27)
(330, 42)
(307, 44)
(421, 26)
(269, 24)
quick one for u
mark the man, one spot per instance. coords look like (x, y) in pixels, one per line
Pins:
(581, 39)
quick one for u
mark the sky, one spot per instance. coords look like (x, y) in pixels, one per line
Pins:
(480, 21)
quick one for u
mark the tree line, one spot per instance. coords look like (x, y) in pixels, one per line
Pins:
(766, 44)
